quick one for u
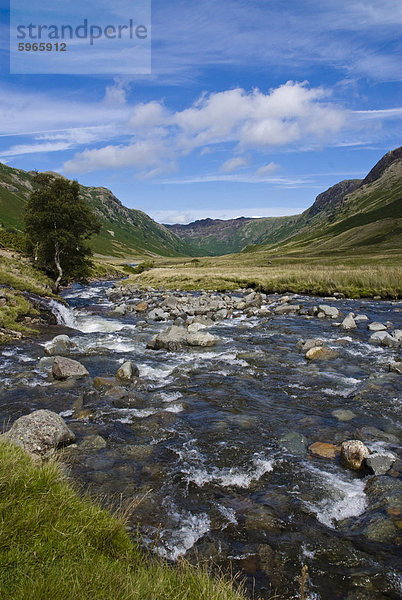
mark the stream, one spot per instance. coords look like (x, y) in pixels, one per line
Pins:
(212, 445)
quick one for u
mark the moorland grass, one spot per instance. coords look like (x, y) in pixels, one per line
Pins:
(354, 276)
(58, 545)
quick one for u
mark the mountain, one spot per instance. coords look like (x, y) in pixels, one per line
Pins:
(214, 237)
(351, 214)
(124, 231)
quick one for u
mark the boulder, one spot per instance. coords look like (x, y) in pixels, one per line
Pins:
(348, 322)
(172, 339)
(120, 310)
(395, 367)
(127, 372)
(195, 327)
(380, 462)
(65, 367)
(58, 345)
(384, 338)
(286, 309)
(320, 353)
(294, 442)
(141, 307)
(353, 454)
(397, 335)
(40, 432)
(201, 339)
(324, 450)
(377, 326)
(305, 345)
(158, 314)
(361, 318)
(329, 311)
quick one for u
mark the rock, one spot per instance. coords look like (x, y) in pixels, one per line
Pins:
(65, 367)
(104, 382)
(176, 337)
(324, 450)
(380, 462)
(320, 353)
(329, 311)
(384, 338)
(380, 529)
(348, 322)
(395, 367)
(158, 315)
(201, 339)
(173, 339)
(127, 372)
(195, 327)
(286, 309)
(361, 318)
(304, 346)
(397, 335)
(343, 414)
(93, 442)
(353, 454)
(294, 442)
(40, 432)
(377, 326)
(58, 345)
(120, 310)
(141, 307)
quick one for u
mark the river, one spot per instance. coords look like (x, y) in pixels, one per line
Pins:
(214, 441)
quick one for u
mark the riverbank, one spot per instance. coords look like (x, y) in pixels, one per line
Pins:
(355, 276)
(57, 544)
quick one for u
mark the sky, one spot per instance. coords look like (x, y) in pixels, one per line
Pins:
(249, 108)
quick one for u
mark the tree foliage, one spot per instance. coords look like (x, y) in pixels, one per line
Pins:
(58, 224)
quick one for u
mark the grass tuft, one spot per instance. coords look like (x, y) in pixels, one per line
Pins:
(56, 545)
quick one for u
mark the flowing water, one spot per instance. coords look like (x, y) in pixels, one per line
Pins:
(215, 441)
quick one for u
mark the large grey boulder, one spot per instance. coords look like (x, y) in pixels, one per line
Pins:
(173, 339)
(158, 314)
(287, 309)
(127, 372)
(384, 338)
(329, 311)
(201, 339)
(58, 345)
(377, 326)
(40, 432)
(177, 337)
(380, 462)
(66, 367)
(349, 322)
(306, 345)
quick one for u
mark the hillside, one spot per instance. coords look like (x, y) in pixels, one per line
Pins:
(352, 213)
(124, 231)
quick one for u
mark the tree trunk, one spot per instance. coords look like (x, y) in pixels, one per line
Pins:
(58, 266)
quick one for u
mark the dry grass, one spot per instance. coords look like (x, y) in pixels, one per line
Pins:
(315, 276)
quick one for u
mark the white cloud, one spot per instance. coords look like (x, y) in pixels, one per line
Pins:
(289, 114)
(232, 164)
(267, 169)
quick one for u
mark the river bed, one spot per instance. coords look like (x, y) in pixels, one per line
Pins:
(214, 441)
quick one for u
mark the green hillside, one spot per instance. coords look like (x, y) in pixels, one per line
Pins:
(351, 214)
(124, 231)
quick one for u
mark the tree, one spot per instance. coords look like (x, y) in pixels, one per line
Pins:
(58, 224)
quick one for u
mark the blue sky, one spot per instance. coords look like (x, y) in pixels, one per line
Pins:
(252, 107)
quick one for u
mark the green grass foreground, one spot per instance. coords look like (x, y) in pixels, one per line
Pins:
(57, 545)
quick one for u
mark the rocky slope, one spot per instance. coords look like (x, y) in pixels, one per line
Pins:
(350, 213)
(124, 231)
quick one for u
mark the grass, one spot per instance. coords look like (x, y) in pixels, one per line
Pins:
(356, 275)
(57, 545)
(17, 274)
